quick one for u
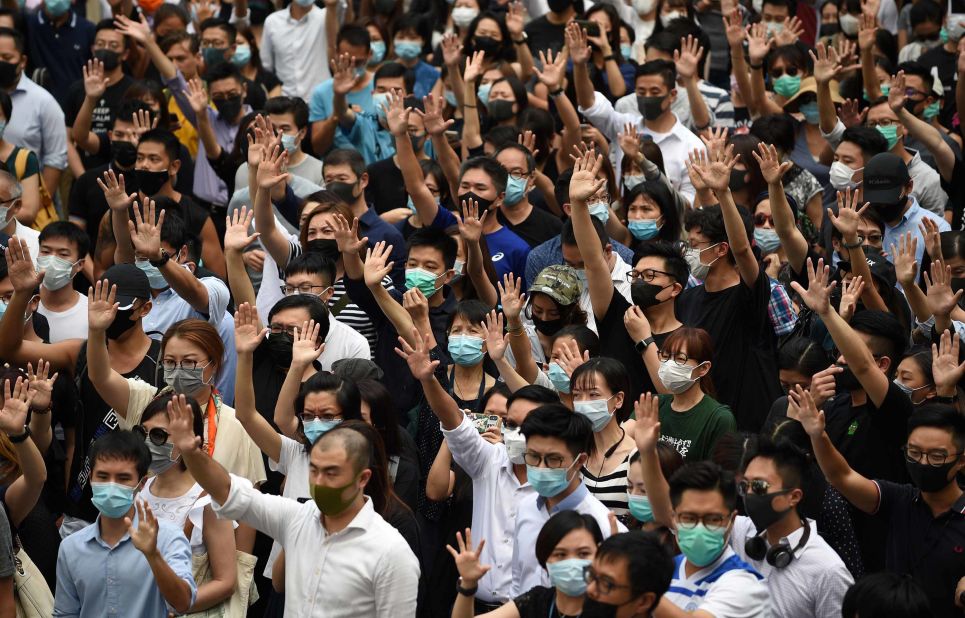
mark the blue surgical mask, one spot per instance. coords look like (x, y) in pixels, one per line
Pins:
(57, 8)
(632, 180)
(378, 52)
(640, 508)
(700, 544)
(766, 239)
(154, 276)
(567, 576)
(810, 112)
(242, 56)
(483, 93)
(515, 190)
(316, 428)
(289, 143)
(643, 229)
(597, 411)
(407, 50)
(558, 377)
(450, 97)
(112, 499)
(380, 99)
(600, 210)
(626, 51)
(466, 350)
(548, 482)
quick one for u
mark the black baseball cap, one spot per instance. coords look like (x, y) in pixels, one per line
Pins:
(884, 177)
(881, 268)
(131, 283)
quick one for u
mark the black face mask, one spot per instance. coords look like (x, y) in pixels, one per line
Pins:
(110, 58)
(345, 190)
(500, 110)
(326, 247)
(558, 6)
(149, 183)
(958, 283)
(229, 108)
(486, 44)
(124, 154)
(280, 348)
(644, 294)
(650, 107)
(737, 180)
(548, 327)
(929, 478)
(827, 29)
(121, 324)
(483, 203)
(890, 212)
(846, 381)
(760, 510)
(597, 609)
(8, 74)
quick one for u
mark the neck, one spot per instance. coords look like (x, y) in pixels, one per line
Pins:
(567, 605)
(112, 529)
(561, 18)
(951, 46)
(438, 298)
(202, 397)
(249, 71)
(520, 471)
(58, 300)
(114, 76)
(721, 276)
(783, 528)
(563, 495)
(298, 11)
(941, 501)
(858, 398)
(337, 523)
(296, 157)
(408, 62)
(518, 212)
(688, 399)
(491, 224)
(173, 480)
(608, 436)
(474, 371)
(662, 317)
(359, 207)
(663, 123)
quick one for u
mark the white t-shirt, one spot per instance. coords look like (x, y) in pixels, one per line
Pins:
(69, 324)
(343, 342)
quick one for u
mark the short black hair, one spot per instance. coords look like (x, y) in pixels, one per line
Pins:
(437, 239)
(919, 70)
(888, 338)
(568, 236)
(664, 68)
(174, 230)
(940, 416)
(392, 70)
(312, 263)
(68, 231)
(554, 420)
(129, 108)
(530, 160)
(886, 595)
(560, 525)
(802, 354)
(222, 71)
(925, 11)
(497, 173)
(313, 304)
(673, 258)
(412, 21)
(108, 24)
(354, 35)
(357, 446)
(178, 36)
(586, 339)
(703, 476)
(664, 41)
(346, 156)
(172, 147)
(502, 135)
(224, 25)
(870, 141)
(649, 566)
(18, 41)
(533, 393)
(159, 405)
(121, 445)
(791, 463)
(473, 310)
(289, 105)
(776, 129)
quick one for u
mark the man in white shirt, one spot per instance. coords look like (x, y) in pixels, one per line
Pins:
(11, 202)
(341, 557)
(656, 89)
(294, 46)
(63, 249)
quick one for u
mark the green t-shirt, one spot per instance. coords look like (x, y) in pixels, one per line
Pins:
(694, 432)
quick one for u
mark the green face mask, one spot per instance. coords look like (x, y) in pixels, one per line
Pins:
(931, 111)
(890, 134)
(787, 85)
(701, 545)
(422, 279)
(330, 500)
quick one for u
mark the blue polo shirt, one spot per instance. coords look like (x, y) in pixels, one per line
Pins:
(506, 249)
(320, 106)
(426, 77)
(63, 51)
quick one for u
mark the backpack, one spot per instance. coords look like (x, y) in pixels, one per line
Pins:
(47, 212)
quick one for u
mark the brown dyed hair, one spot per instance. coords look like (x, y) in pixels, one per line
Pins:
(319, 203)
(201, 334)
(699, 347)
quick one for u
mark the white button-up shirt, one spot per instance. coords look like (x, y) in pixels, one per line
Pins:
(496, 497)
(296, 50)
(532, 515)
(812, 586)
(365, 570)
(342, 342)
(675, 145)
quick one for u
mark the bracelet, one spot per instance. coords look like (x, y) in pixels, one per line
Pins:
(20, 437)
(519, 42)
(610, 57)
(856, 245)
(556, 93)
(47, 410)
(949, 400)
(756, 67)
(470, 106)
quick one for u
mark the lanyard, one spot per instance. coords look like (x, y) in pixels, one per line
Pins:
(211, 413)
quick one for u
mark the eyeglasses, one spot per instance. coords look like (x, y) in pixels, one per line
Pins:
(791, 71)
(934, 458)
(188, 364)
(279, 329)
(882, 122)
(760, 219)
(157, 436)
(711, 521)
(517, 175)
(912, 92)
(758, 487)
(305, 288)
(647, 274)
(605, 584)
(311, 416)
(225, 96)
(874, 239)
(535, 459)
(677, 357)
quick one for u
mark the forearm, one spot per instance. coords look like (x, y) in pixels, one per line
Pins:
(162, 63)
(51, 176)
(827, 116)
(471, 132)
(441, 403)
(323, 134)
(960, 98)
(525, 59)
(81, 131)
(932, 139)
(437, 481)
(464, 605)
(741, 75)
(860, 268)
(545, 186)
(331, 28)
(583, 85)
(186, 285)
(652, 362)
(257, 428)
(509, 375)
(698, 106)
(340, 110)
(614, 79)
(354, 268)
(869, 77)
(40, 431)
(11, 326)
(123, 246)
(657, 488)
(847, 341)
(175, 590)
(272, 239)
(477, 274)
(212, 149)
(522, 351)
(917, 301)
(285, 404)
(396, 314)
(740, 246)
(208, 473)
(448, 160)
(238, 280)
(456, 83)
(795, 245)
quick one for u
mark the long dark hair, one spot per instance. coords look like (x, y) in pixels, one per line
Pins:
(382, 414)
(379, 488)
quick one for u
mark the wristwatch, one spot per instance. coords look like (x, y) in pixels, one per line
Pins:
(521, 39)
(21, 437)
(642, 345)
(851, 246)
(165, 256)
(466, 592)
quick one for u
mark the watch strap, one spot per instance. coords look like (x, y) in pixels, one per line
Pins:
(643, 344)
(466, 592)
(165, 256)
(17, 439)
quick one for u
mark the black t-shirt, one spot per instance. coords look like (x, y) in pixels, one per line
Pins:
(535, 229)
(102, 117)
(386, 188)
(956, 193)
(744, 369)
(945, 61)
(87, 201)
(95, 419)
(542, 35)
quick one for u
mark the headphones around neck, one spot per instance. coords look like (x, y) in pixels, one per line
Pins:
(779, 556)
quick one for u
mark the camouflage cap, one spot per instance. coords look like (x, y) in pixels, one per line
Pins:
(559, 282)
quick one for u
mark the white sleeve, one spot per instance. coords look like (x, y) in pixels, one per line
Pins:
(273, 515)
(829, 594)
(218, 297)
(834, 137)
(607, 120)
(737, 594)
(470, 451)
(289, 450)
(267, 51)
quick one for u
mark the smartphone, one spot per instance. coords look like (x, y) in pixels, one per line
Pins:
(592, 28)
(484, 422)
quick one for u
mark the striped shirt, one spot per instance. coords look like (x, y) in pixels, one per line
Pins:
(726, 587)
(610, 488)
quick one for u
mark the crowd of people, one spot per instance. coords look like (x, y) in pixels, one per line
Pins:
(448, 308)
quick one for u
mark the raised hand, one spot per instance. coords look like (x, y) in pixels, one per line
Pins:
(20, 267)
(144, 537)
(933, 238)
(629, 141)
(906, 264)
(416, 303)
(197, 96)
(139, 31)
(474, 67)
(846, 53)
(237, 224)
(397, 116)
(850, 293)
(817, 296)
(697, 157)
(347, 236)
(897, 96)
(40, 385)
(757, 43)
(941, 299)
(849, 215)
(101, 306)
(146, 234)
(434, 115)
(647, 431)
(248, 331)
(715, 140)
(343, 74)
(570, 357)
(823, 386)
(790, 33)
(451, 50)
(867, 29)
(471, 223)
(716, 175)
(554, 70)
(511, 296)
(515, 19)
(734, 28)
(584, 183)
(946, 370)
(771, 167)
(687, 58)
(826, 63)
(143, 122)
(181, 425)
(496, 342)
(13, 415)
(307, 348)
(115, 193)
(270, 171)
(95, 84)
(527, 139)
(376, 267)
(800, 405)
(421, 367)
(577, 43)
(851, 113)
(467, 560)
(205, 9)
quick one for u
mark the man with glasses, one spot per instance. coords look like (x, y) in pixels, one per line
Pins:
(11, 201)
(630, 573)
(558, 443)
(534, 225)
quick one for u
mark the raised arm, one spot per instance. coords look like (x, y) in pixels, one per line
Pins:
(513, 300)
(846, 222)
(177, 591)
(687, 59)
(583, 185)
(867, 29)
(735, 32)
(248, 334)
(236, 238)
(376, 270)
(758, 45)
(118, 201)
(906, 271)
(451, 46)
(23, 493)
(471, 133)
(198, 100)
(306, 349)
(647, 434)
(141, 32)
(793, 241)
(436, 126)
(942, 300)
(416, 354)
(515, 22)
(921, 130)
(576, 42)
(496, 344)
(349, 245)
(207, 472)
(552, 76)
(41, 391)
(94, 86)
(638, 327)
(826, 67)
(270, 175)
(101, 312)
(425, 204)
(343, 80)
(471, 230)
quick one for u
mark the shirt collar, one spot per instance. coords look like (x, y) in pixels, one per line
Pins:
(363, 519)
(93, 533)
(620, 269)
(569, 503)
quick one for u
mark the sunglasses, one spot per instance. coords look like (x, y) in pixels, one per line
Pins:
(157, 436)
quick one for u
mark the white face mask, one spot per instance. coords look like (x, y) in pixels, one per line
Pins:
(757, 5)
(515, 443)
(774, 27)
(841, 176)
(462, 16)
(697, 268)
(644, 7)
(676, 378)
(849, 24)
(666, 18)
(597, 411)
(57, 271)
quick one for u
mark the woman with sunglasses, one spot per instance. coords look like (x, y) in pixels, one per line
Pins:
(691, 419)
(565, 547)
(175, 497)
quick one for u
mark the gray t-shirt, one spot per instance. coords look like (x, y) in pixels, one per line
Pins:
(6, 546)
(310, 169)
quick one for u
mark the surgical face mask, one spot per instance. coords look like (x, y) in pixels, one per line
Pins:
(466, 350)
(700, 544)
(849, 24)
(161, 460)
(567, 576)
(185, 381)
(600, 210)
(316, 428)
(57, 8)
(378, 52)
(57, 271)
(697, 268)
(242, 56)
(549, 482)
(766, 239)
(379, 101)
(597, 411)
(643, 229)
(787, 85)
(774, 28)
(422, 279)
(154, 276)
(908, 390)
(305, 3)
(931, 111)
(640, 508)
(810, 112)
(483, 93)
(632, 180)
(626, 51)
(515, 444)
(841, 176)
(462, 16)
(666, 18)
(289, 143)
(515, 190)
(407, 50)
(213, 56)
(644, 7)
(953, 30)
(675, 377)
(112, 499)
(559, 377)
(450, 97)
(889, 133)
(757, 5)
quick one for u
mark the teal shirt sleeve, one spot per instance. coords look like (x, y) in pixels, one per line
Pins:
(320, 103)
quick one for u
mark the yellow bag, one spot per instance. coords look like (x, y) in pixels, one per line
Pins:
(245, 592)
(47, 212)
(30, 590)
